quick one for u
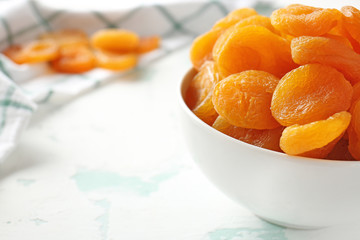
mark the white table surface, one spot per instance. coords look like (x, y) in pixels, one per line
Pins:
(112, 165)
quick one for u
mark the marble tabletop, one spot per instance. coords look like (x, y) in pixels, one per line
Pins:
(112, 164)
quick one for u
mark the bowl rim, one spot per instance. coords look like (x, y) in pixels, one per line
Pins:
(317, 161)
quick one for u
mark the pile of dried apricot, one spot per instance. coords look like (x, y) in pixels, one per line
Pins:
(289, 82)
(72, 51)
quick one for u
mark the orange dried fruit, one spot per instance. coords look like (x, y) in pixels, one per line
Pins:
(65, 37)
(252, 48)
(74, 59)
(234, 17)
(115, 61)
(14, 52)
(323, 151)
(205, 110)
(354, 130)
(354, 143)
(243, 99)
(201, 90)
(115, 40)
(351, 22)
(340, 151)
(221, 124)
(299, 20)
(307, 49)
(148, 44)
(356, 92)
(40, 51)
(301, 139)
(202, 47)
(257, 20)
(310, 93)
(268, 138)
(338, 38)
(33, 52)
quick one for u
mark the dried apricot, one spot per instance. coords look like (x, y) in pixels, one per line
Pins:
(351, 22)
(268, 138)
(202, 47)
(147, 44)
(252, 48)
(14, 52)
(300, 139)
(355, 121)
(65, 37)
(339, 38)
(243, 99)
(310, 93)
(234, 17)
(221, 124)
(257, 20)
(33, 52)
(340, 151)
(356, 92)
(74, 59)
(299, 20)
(115, 40)
(354, 130)
(323, 151)
(114, 61)
(354, 144)
(306, 49)
(40, 51)
(201, 90)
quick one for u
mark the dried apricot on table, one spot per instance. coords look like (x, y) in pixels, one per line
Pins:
(234, 17)
(115, 61)
(115, 40)
(33, 52)
(147, 44)
(299, 20)
(243, 99)
(65, 37)
(202, 47)
(310, 93)
(301, 139)
(307, 49)
(252, 48)
(14, 52)
(200, 92)
(74, 59)
(40, 51)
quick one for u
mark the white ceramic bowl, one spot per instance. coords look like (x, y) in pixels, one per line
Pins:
(286, 190)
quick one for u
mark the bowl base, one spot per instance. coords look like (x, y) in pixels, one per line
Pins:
(289, 225)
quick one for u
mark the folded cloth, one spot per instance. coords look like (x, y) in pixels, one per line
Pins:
(16, 109)
(22, 87)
